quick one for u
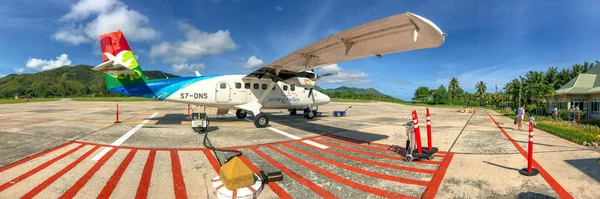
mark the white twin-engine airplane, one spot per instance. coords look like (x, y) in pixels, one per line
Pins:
(284, 84)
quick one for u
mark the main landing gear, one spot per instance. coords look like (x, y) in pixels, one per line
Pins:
(240, 114)
(309, 114)
(261, 120)
(292, 111)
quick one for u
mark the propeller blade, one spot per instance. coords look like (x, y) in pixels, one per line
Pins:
(328, 74)
(310, 92)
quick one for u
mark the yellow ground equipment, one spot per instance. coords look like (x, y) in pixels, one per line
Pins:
(235, 174)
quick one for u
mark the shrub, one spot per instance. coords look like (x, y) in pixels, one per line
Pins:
(574, 133)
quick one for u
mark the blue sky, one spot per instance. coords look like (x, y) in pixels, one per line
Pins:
(492, 41)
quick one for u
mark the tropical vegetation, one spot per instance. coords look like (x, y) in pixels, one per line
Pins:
(532, 89)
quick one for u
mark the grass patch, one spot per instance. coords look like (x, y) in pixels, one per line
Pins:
(112, 99)
(14, 101)
(573, 133)
(349, 100)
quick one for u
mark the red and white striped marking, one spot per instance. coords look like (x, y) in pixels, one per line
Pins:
(129, 172)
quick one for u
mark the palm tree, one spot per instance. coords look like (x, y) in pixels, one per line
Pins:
(452, 87)
(480, 88)
(577, 69)
(552, 78)
(587, 66)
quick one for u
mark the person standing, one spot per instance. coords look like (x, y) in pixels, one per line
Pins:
(571, 114)
(520, 115)
(554, 113)
(576, 112)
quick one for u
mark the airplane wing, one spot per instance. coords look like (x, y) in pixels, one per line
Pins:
(402, 32)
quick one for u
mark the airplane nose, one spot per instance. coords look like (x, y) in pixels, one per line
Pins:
(326, 98)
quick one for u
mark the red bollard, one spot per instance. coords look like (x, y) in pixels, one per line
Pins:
(530, 171)
(428, 130)
(474, 109)
(417, 131)
(117, 115)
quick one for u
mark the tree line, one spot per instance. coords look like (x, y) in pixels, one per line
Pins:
(65, 81)
(535, 87)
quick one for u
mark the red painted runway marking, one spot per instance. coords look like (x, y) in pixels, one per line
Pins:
(371, 190)
(359, 170)
(213, 161)
(373, 144)
(33, 157)
(391, 166)
(142, 191)
(338, 145)
(432, 189)
(38, 168)
(178, 183)
(353, 143)
(86, 177)
(560, 191)
(114, 179)
(55, 177)
(312, 186)
(274, 186)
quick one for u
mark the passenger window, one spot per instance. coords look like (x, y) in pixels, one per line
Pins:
(223, 86)
(264, 86)
(247, 85)
(238, 85)
(255, 86)
(292, 88)
(285, 87)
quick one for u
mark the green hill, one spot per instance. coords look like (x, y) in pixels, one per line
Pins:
(357, 93)
(65, 81)
(371, 91)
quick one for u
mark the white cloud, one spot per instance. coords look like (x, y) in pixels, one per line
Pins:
(42, 64)
(110, 15)
(2, 75)
(20, 70)
(342, 77)
(253, 62)
(84, 8)
(278, 8)
(332, 68)
(197, 45)
(185, 67)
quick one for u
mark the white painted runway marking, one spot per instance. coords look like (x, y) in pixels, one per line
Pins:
(123, 138)
(291, 136)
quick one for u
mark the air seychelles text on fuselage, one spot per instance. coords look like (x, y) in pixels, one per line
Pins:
(284, 100)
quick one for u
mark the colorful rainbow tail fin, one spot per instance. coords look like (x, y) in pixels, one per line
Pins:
(119, 65)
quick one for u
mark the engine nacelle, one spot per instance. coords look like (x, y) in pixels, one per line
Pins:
(300, 82)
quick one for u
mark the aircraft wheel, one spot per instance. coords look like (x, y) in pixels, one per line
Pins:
(408, 158)
(292, 111)
(240, 114)
(261, 120)
(310, 114)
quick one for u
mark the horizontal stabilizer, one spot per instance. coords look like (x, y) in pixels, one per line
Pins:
(113, 69)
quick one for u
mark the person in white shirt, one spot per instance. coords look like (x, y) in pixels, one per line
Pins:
(520, 115)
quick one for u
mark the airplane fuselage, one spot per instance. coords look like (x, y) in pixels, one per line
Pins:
(226, 91)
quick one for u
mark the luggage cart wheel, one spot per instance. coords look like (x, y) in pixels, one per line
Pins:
(431, 156)
(409, 158)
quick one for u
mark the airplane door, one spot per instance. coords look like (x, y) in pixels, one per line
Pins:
(223, 92)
